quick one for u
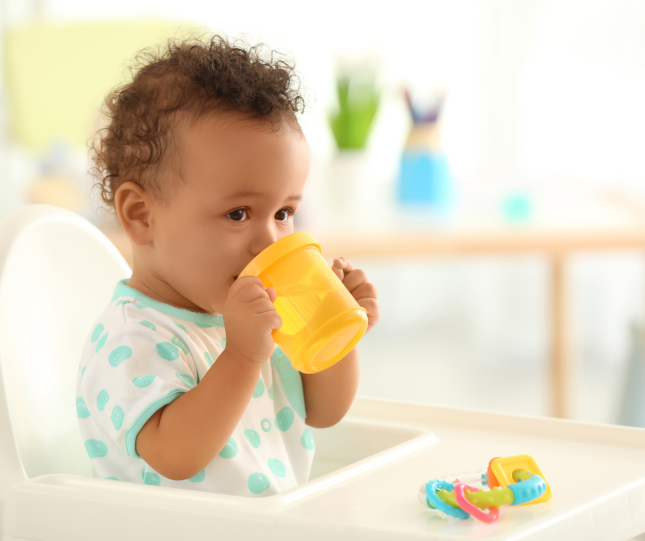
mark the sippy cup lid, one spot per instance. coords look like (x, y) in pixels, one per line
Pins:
(277, 250)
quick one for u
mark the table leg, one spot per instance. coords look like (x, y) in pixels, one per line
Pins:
(561, 360)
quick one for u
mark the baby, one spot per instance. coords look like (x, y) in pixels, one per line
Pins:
(181, 384)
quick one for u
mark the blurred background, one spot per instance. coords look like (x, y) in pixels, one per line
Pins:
(482, 161)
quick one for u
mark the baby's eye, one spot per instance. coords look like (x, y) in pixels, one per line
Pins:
(283, 214)
(239, 215)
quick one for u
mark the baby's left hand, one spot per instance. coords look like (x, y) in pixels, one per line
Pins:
(355, 280)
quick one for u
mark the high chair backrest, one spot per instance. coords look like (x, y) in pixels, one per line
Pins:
(57, 272)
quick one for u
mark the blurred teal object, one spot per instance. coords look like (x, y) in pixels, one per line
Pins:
(358, 101)
(517, 207)
(632, 411)
(425, 179)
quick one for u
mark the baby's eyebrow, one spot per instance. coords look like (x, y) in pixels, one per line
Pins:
(247, 193)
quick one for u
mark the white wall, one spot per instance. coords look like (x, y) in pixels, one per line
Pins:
(538, 91)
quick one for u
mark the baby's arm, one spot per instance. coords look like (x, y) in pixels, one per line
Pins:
(330, 393)
(180, 439)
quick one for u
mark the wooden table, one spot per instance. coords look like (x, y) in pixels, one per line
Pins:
(556, 245)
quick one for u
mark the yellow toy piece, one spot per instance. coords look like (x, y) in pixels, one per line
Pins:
(504, 468)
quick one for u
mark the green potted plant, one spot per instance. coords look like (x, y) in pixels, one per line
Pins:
(351, 124)
(358, 101)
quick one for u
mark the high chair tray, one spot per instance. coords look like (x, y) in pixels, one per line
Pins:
(366, 475)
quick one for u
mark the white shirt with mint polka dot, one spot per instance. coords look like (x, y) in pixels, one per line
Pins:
(141, 355)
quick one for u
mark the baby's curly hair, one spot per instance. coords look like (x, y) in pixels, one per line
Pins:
(185, 80)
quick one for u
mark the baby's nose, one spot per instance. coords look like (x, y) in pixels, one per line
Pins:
(262, 240)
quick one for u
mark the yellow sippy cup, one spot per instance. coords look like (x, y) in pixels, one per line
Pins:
(321, 321)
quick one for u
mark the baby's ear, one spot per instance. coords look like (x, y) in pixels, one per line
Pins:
(133, 206)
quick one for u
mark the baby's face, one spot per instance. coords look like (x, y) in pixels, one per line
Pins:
(235, 191)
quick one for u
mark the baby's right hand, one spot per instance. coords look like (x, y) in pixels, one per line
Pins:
(249, 318)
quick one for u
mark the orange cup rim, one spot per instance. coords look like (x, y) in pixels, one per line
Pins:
(279, 249)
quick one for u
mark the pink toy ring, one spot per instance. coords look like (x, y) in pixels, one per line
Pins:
(491, 516)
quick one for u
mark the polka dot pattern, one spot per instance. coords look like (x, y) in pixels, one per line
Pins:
(150, 478)
(117, 417)
(208, 358)
(258, 483)
(144, 381)
(149, 324)
(120, 354)
(290, 380)
(101, 343)
(168, 351)
(188, 381)
(81, 409)
(307, 440)
(96, 448)
(229, 450)
(266, 425)
(277, 467)
(102, 399)
(97, 332)
(284, 419)
(253, 438)
(199, 477)
(259, 389)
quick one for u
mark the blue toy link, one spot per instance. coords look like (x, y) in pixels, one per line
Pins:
(437, 503)
(528, 487)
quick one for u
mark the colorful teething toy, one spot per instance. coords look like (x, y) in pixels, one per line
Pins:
(515, 480)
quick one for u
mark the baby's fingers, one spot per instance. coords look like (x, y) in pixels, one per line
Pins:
(366, 290)
(252, 292)
(272, 294)
(261, 306)
(373, 311)
(354, 279)
(241, 285)
(272, 319)
(337, 267)
(341, 266)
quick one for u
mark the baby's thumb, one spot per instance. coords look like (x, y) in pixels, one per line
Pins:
(338, 271)
(272, 294)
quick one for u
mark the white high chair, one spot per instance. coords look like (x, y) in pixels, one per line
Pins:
(57, 272)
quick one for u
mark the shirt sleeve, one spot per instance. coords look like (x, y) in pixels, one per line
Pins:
(133, 371)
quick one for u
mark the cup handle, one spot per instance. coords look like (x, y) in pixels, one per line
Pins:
(282, 338)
